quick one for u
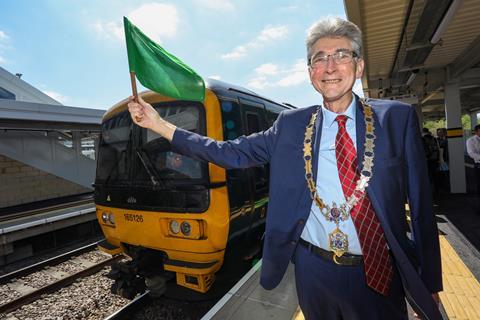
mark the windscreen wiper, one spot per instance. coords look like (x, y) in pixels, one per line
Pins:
(152, 173)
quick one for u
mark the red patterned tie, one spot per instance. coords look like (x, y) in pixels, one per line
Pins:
(378, 266)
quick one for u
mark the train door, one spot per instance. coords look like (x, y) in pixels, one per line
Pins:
(254, 117)
(237, 179)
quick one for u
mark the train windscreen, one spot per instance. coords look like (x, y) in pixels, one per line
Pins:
(165, 164)
(132, 155)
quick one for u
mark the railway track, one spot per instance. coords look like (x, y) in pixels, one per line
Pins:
(28, 284)
(52, 287)
(46, 263)
(164, 308)
(90, 297)
(131, 308)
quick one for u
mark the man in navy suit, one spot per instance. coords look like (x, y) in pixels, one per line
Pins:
(340, 175)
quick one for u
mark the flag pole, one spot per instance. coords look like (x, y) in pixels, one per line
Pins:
(134, 92)
(134, 85)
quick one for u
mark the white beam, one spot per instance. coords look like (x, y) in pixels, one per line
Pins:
(453, 114)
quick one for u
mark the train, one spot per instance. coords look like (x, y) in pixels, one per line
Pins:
(171, 215)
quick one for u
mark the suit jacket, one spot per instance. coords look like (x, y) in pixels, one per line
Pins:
(399, 174)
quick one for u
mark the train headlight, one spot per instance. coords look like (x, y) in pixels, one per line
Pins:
(186, 228)
(104, 217)
(174, 226)
(111, 218)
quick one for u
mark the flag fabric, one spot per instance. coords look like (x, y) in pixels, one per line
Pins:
(159, 70)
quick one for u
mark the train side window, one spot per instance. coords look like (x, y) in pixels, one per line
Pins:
(253, 122)
(273, 112)
(231, 119)
(254, 117)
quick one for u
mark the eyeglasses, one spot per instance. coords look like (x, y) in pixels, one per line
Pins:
(340, 57)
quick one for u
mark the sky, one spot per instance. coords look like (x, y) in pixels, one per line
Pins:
(75, 52)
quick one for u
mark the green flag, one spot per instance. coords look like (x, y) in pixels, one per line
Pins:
(159, 70)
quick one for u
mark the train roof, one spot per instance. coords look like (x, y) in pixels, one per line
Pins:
(220, 88)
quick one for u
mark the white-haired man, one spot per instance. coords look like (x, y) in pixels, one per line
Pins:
(340, 175)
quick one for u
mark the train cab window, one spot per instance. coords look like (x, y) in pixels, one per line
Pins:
(186, 115)
(112, 158)
(158, 159)
(136, 162)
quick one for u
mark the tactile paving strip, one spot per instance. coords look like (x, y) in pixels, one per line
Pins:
(461, 291)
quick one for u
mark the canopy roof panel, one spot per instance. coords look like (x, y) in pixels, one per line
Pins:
(414, 46)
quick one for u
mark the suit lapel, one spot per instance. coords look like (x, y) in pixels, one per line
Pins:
(360, 131)
(316, 148)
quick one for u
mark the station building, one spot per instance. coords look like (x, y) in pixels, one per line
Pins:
(41, 140)
(47, 153)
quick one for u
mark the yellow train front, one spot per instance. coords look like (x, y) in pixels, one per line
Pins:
(171, 214)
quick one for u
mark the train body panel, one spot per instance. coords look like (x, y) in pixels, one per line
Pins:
(187, 211)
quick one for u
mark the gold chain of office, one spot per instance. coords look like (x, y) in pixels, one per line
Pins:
(339, 241)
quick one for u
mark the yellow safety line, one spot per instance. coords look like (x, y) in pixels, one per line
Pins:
(461, 291)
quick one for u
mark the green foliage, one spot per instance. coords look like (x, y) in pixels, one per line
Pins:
(434, 125)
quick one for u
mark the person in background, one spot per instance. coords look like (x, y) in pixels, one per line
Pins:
(183, 166)
(432, 156)
(340, 174)
(473, 150)
(443, 173)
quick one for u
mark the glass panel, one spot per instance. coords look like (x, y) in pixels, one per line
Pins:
(87, 145)
(5, 94)
(253, 123)
(232, 120)
(112, 159)
(166, 164)
(65, 139)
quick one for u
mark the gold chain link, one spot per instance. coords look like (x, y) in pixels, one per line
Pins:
(365, 173)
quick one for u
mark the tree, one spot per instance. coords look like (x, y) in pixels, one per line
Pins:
(433, 125)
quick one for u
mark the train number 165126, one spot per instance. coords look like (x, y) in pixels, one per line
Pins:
(133, 217)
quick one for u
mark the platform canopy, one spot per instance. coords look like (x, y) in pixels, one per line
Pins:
(412, 47)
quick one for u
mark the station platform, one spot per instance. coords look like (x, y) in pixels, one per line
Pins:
(459, 227)
(14, 231)
(47, 218)
(248, 300)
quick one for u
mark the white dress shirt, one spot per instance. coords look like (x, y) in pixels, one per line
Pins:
(473, 148)
(329, 188)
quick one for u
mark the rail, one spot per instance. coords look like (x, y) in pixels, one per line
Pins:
(55, 286)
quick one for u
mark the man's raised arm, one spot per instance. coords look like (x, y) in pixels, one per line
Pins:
(243, 152)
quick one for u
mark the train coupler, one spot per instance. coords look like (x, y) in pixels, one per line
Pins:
(127, 282)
